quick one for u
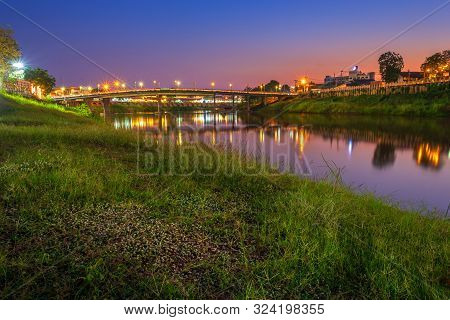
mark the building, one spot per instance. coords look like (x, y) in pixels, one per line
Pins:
(411, 76)
(70, 91)
(24, 88)
(354, 76)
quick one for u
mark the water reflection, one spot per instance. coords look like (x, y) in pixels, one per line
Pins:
(428, 156)
(384, 155)
(401, 158)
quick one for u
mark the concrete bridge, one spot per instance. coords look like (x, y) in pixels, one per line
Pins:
(106, 96)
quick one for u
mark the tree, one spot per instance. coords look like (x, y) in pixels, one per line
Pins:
(9, 51)
(286, 88)
(272, 86)
(391, 65)
(41, 78)
(437, 65)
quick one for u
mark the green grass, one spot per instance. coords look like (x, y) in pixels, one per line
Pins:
(434, 103)
(81, 110)
(77, 221)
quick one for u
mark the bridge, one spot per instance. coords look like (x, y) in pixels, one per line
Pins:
(106, 96)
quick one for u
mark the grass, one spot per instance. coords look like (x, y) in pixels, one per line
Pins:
(78, 222)
(434, 103)
(81, 110)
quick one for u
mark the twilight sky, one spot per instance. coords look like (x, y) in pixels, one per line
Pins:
(243, 42)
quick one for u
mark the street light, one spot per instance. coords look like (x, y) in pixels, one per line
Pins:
(141, 84)
(177, 83)
(106, 87)
(230, 85)
(123, 85)
(213, 84)
(117, 83)
(18, 65)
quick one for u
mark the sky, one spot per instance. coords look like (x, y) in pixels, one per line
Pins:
(239, 42)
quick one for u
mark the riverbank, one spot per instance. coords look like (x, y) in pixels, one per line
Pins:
(78, 221)
(435, 103)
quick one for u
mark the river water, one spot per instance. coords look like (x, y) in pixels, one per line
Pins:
(403, 160)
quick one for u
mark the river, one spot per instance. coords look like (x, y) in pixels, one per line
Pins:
(403, 160)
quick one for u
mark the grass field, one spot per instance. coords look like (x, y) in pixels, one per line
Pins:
(434, 103)
(78, 222)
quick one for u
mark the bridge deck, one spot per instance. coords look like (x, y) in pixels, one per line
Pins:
(169, 92)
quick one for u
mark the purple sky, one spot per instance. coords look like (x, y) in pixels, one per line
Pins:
(223, 41)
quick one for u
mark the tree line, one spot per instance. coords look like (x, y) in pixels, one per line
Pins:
(436, 66)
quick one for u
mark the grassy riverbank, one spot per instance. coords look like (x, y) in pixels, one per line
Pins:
(77, 221)
(435, 103)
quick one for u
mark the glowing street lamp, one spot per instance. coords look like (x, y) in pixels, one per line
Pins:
(106, 87)
(141, 84)
(213, 84)
(123, 85)
(116, 84)
(89, 88)
(177, 83)
(230, 85)
(18, 65)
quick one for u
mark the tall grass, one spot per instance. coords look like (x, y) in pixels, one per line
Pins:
(78, 221)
